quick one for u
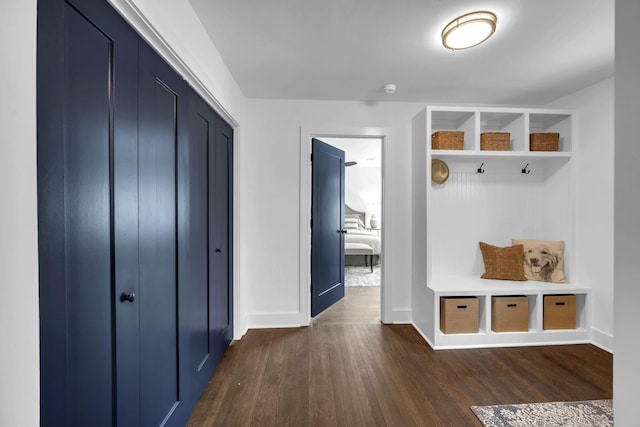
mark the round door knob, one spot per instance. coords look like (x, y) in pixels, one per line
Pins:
(127, 297)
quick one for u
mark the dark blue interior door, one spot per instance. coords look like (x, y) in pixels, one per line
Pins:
(327, 230)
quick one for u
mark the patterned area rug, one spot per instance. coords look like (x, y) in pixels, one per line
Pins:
(361, 276)
(597, 413)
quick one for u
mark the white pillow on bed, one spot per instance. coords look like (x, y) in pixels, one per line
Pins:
(354, 221)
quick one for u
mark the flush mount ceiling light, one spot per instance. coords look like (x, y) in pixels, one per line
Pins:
(469, 30)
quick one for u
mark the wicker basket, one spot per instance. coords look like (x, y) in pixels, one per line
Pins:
(447, 140)
(544, 141)
(495, 141)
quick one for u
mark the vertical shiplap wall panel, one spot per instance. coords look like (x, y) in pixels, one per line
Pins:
(494, 207)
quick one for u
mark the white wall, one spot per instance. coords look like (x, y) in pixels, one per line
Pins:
(594, 201)
(363, 181)
(422, 300)
(271, 194)
(19, 354)
(363, 188)
(626, 375)
(495, 207)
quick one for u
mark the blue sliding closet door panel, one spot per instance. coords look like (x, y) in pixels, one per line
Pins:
(134, 218)
(87, 222)
(193, 230)
(161, 102)
(79, 52)
(220, 196)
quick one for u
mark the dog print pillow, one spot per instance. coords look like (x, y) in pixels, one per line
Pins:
(543, 260)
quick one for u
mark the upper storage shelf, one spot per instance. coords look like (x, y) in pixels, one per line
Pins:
(519, 123)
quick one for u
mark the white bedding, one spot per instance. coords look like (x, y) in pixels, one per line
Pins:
(361, 236)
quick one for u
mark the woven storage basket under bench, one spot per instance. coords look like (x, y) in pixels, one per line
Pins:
(495, 141)
(447, 140)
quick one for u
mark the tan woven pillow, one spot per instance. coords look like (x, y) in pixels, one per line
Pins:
(543, 260)
(502, 263)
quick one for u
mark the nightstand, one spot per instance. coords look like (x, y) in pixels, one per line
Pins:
(374, 230)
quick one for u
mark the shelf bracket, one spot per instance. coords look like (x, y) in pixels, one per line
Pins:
(480, 170)
(524, 169)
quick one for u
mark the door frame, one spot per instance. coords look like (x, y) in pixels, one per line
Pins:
(306, 134)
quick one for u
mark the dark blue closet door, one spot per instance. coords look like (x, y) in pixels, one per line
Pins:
(87, 214)
(125, 257)
(79, 53)
(134, 253)
(161, 104)
(193, 247)
(221, 205)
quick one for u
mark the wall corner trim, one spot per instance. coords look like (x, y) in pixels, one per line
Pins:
(132, 14)
(602, 339)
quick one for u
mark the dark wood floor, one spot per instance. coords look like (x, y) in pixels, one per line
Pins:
(359, 305)
(338, 372)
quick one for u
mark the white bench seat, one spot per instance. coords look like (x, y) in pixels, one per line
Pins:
(467, 285)
(360, 249)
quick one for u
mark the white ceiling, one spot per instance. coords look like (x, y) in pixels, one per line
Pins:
(349, 49)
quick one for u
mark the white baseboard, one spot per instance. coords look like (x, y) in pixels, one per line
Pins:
(599, 338)
(293, 320)
(402, 316)
(242, 329)
(274, 320)
(422, 335)
(602, 340)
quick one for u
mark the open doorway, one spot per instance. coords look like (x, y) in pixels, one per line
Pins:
(363, 224)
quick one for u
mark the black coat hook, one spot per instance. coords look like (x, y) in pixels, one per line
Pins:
(480, 170)
(524, 169)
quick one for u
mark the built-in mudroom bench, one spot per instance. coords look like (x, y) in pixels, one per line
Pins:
(485, 289)
(497, 181)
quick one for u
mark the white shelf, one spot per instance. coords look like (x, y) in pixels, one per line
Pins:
(519, 122)
(499, 154)
(461, 285)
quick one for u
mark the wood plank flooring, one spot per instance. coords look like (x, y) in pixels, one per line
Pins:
(338, 372)
(359, 305)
